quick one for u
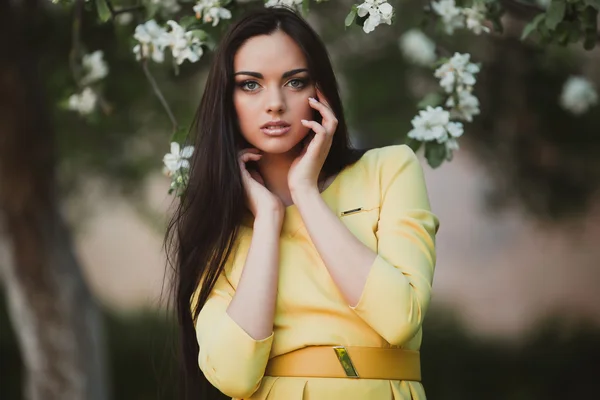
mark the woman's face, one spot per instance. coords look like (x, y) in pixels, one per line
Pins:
(272, 85)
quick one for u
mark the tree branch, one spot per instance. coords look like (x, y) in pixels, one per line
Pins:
(76, 40)
(159, 94)
(122, 10)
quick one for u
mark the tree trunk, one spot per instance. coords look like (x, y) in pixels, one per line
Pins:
(56, 321)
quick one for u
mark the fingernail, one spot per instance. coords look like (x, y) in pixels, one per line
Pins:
(303, 121)
(311, 99)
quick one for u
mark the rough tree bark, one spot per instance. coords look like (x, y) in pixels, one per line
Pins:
(57, 323)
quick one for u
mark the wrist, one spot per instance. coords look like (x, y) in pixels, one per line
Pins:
(301, 185)
(268, 218)
(302, 195)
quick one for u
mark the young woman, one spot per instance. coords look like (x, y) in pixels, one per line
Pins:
(303, 267)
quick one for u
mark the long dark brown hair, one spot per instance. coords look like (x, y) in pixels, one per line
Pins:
(205, 223)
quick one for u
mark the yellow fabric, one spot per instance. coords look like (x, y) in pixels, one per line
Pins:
(396, 222)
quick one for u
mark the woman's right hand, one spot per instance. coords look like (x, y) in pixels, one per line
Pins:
(259, 199)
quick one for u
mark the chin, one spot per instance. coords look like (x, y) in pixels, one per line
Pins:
(278, 145)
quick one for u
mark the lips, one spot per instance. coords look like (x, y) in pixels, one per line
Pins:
(275, 124)
(275, 128)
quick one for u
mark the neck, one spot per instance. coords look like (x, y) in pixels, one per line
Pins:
(274, 170)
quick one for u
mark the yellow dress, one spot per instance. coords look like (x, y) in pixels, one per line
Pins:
(396, 222)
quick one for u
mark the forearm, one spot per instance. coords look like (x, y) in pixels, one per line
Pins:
(347, 259)
(253, 305)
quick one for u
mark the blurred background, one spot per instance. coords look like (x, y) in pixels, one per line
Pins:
(516, 306)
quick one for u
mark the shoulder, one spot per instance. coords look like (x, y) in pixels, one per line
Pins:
(388, 161)
(391, 154)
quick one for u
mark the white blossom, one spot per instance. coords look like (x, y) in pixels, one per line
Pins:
(184, 45)
(434, 124)
(452, 145)
(452, 17)
(152, 41)
(455, 129)
(578, 95)
(95, 66)
(457, 73)
(295, 4)
(84, 102)
(417, 47)
(379, 11)
(211, 11)
(474, 18)
(467, 106)
(177, 158)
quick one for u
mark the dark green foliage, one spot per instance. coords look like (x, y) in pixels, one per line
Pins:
(566, 22)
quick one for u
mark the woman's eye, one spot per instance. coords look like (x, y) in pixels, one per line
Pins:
(249, 85)
(296, 83)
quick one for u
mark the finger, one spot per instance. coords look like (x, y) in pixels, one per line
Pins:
(315, 126)
(250, 157)
(323, 99)
(329, 119)
(317, 142)
(244, 158)
(256, 176)
(250, 150)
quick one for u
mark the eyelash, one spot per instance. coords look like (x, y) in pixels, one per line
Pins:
(303, 83)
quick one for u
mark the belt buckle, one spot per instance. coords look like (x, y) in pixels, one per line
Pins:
(346, 362)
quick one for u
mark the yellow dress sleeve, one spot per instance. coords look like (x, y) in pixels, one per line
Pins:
(231, 360)
(398, 288)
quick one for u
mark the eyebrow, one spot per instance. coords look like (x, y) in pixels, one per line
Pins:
(260, 76)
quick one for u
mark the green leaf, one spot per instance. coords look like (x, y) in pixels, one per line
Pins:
(592, 3)
(200, 34)
(414, 144)
(103, 10)
(497, 22)
(440, 61)
(210, 43)
(187, 21)
(530, 27)
(305, 7)
(350, 17)
(589, 24)
(179, 136)
(562, 32)
(544, 32)
(432, 99)
(588, 18)
(435, 153)
(555, 13)
(151, 9)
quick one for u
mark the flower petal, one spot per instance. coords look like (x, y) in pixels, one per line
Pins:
(175, 148)
(187, 151)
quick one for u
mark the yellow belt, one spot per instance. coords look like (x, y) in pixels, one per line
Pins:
(348, 362)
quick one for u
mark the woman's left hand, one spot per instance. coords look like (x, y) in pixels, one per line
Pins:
(306, 168)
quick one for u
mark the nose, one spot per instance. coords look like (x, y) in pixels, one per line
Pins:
(275, 102)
